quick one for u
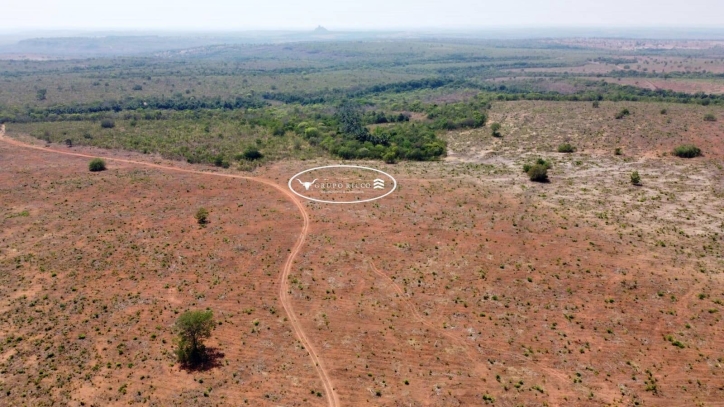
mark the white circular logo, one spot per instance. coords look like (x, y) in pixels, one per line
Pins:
(342, 184)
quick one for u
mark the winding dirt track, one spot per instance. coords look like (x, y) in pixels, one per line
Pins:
(331, 395)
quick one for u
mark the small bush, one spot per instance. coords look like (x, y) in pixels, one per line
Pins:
(538, 173)
(107, 124)
(495, 129)
(687, 151)
(617, 151)
(97, 164)
(566, 148)
(202, 216)
(663, 111)
(595, 104)
(709, 117)
(137, 87)
(623, 113)
(635, 178)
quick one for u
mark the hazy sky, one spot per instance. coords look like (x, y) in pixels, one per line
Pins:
(359, 14)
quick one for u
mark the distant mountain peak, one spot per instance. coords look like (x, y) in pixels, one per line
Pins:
(320, 30)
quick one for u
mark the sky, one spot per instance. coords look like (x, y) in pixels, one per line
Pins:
(241, 15)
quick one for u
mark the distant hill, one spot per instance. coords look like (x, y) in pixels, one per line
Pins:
(320, 30)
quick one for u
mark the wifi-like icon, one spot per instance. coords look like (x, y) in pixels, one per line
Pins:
(378, 184)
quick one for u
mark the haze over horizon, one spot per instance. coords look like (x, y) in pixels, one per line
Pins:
(224, 15)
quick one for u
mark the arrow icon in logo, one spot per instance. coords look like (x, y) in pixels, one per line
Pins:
(378, 184)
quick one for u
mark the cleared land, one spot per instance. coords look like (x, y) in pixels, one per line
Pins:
(586, 290)
(470, 285)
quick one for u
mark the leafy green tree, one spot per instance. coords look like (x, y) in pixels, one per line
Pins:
(193, 327)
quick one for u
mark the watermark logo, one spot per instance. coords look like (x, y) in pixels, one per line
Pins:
(342, 184)
(307, 185)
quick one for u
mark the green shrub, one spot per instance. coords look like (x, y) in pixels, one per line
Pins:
(97, 164)
(252, 153)
(202, 216)
(390, 158)
(635, 178)
(687, 151)
(566, 148)
(595, 104)
(709, 117)
(623, 113)
(107, 124)
(663, 111)
(495, 129)
(538, 173)
(220, 161)
(617, 151)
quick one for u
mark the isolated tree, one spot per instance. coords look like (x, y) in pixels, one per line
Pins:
(623, 113)
(202, 216)
(635, 178)
(97, 164)
(193, 327)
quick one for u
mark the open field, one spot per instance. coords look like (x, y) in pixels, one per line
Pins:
(469, 285)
